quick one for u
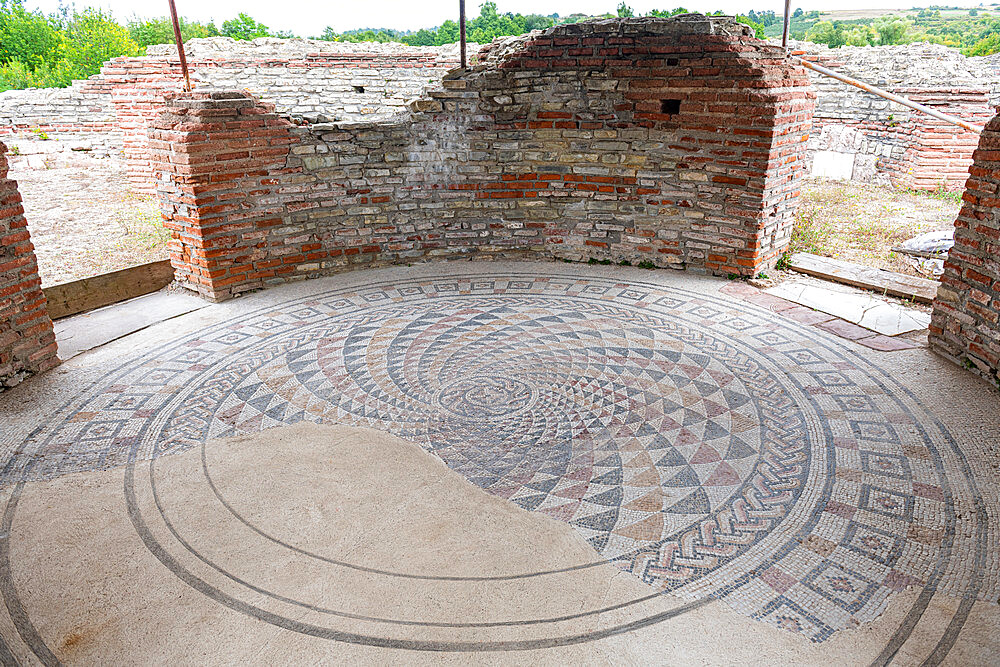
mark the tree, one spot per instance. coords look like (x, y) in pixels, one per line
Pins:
(891, 29)
(797, 13)
(95, 37)
(160, 30)
(28, 37)
(624, 11)
(244, 27)
(860, 35)
(827, 33)
(986, 46)
(329, 35)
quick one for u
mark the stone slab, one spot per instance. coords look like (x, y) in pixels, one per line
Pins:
(886, 282)
(833, 165)
(867, 311)
(79, 333)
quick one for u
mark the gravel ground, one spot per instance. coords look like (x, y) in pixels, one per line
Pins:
(861, 223)
(85, 221)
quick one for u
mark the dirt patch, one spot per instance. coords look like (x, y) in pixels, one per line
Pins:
(84, 220)
(861, 223)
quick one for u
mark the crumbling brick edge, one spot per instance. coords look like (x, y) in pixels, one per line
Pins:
(965, 325)
(27, 340)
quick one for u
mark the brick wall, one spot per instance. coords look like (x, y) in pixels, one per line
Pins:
(966, 322)
(111, 110)
(884, 142)
(27, 344)
(677, 142)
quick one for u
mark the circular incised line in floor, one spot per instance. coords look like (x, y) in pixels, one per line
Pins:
(705, 447)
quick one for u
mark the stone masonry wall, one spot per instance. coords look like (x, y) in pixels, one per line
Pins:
(863, 137)
(966, 321)
(109, 112)
(857, 135)
(678, 142)
(27, 343)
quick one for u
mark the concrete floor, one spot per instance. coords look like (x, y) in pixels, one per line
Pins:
(499, 463)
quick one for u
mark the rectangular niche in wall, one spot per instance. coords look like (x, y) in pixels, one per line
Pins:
(670, 106)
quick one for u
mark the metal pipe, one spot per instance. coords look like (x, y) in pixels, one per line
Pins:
(890, 96)
(461, 29)
(180, 45)
(784, 31)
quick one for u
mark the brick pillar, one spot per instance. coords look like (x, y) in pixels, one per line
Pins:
(27, 343)
(966, 322)
(215, 155)
(941, 152)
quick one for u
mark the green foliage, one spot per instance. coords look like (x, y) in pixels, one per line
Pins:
(16, 75)
(624, 11)
(827, 32)
(42, 52)
(159, 30)
(861, 35)
(244, 27)
(891, 30)
(28, 37)
(667, 13)
(95, 37)
(986, 46)
(970, 31)
(758, 28)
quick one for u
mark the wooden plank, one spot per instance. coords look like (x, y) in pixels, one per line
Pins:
(920, 290)
(88, 293)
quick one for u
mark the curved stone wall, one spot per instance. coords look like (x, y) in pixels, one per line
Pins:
(668, 142)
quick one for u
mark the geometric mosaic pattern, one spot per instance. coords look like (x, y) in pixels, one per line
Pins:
(699, 444)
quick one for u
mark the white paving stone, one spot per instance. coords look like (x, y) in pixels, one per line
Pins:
(854, 306)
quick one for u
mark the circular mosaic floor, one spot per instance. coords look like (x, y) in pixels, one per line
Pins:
(699, 443)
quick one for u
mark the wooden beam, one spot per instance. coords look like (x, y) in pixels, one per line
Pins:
(103, 290)
(920, 290)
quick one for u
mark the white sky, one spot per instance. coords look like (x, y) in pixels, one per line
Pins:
(309, 18)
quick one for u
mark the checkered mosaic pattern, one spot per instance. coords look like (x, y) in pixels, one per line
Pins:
(697, 442)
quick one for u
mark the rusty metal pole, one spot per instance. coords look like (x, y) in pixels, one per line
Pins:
(180, 45)
(875, 90)
(461, 29)
(784, 31)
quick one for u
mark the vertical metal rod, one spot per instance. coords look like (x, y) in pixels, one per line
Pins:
(461, 28)
(180, 45)
(784, 31)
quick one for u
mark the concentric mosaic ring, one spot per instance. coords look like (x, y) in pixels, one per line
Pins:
(704, 447)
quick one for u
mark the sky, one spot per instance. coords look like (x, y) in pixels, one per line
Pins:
(308, 19)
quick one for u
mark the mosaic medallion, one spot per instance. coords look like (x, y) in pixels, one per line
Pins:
(706, 448)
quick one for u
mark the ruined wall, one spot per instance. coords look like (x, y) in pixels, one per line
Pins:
(966, 321)
(676, 142)
(109, 113)
(864, 137)
(857, 135)
(27, 344)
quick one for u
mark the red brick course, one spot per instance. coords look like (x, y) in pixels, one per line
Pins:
(966, 321)
(27, 343)
(675, 142)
